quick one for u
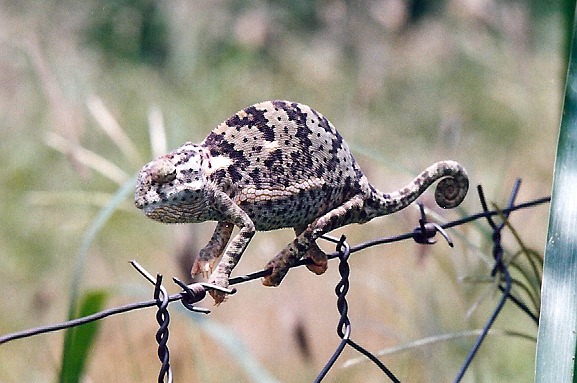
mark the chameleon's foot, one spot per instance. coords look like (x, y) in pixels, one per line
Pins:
(275, 278)
(218, 296)
(279, 271)
(221, 281)
(319, 258)
(202, 265)
(280, 265)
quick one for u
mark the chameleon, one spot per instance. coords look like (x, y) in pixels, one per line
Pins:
(275, 164)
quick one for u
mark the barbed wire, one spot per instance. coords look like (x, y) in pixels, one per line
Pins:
(424, 233)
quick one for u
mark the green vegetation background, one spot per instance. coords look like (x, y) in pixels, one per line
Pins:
(406, 83)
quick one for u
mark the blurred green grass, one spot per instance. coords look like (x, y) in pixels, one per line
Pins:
(481, 84)
(555, 356)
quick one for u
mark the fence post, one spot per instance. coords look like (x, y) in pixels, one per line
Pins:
(556, 342)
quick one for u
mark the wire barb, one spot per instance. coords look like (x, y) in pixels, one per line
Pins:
(192, 294)
(426, 231)
(211, 286)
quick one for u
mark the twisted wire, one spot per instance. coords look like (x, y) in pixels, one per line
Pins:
(163, 319)
(344, 324)
(500, 269)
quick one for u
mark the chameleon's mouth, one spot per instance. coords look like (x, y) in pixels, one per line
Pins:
(176, 213)
(164, 214)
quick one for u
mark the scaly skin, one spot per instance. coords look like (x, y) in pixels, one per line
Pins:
(272, 165)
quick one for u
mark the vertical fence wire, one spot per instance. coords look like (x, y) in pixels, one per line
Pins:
(344, 325)
(163, 319)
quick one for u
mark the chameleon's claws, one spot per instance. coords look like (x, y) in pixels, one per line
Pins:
(218, 288)
(319, 260)
(202, 267)
(275, 277)
(218, 293)
(207, 270)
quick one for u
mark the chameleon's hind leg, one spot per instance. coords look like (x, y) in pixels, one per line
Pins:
(347, 213)
(314, 253)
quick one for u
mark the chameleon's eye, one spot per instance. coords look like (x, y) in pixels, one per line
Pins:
(163, 171)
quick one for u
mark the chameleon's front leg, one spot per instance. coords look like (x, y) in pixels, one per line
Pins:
(289, 256)
(208, 255)
(231, 212)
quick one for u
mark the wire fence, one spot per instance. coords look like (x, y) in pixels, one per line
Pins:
(424, 233)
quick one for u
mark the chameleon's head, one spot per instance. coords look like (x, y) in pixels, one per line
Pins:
(172, 187)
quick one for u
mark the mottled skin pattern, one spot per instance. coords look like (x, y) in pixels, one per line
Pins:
(273, 165)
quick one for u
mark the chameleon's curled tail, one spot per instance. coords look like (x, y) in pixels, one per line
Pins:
(450, 191)
(454, 184)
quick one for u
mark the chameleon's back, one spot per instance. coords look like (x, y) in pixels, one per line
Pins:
(286, 163)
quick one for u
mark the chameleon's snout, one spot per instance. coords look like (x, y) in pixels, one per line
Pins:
(170, 190)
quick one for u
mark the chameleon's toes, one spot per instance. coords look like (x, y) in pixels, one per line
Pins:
(220, 281)
(196, 267)
(218, 296)
(275, 278)
(319, 258)
(269, 281)
(318, 269)
(202, 267)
